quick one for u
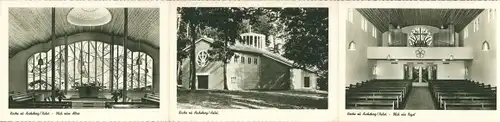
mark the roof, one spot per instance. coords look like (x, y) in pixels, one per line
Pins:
(251, 34)
(265, 53)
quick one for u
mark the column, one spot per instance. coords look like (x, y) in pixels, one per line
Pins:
(66, 64)
(125, 34)
(410, 71)
(262, 41)
(53, 53)
(429, 72)
(420, 74)
(112, 65)
(240, 40)
(454, 41)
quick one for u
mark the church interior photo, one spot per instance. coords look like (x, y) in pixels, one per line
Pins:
(420, 59)
(70, 58)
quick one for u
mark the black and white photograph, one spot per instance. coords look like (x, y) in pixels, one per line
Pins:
(252, 58)
(420, 59)
(77, 58)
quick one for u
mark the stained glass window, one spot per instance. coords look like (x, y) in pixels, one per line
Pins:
(89, 62)
(420, 37)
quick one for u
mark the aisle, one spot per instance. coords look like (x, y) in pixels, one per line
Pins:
(420, 99)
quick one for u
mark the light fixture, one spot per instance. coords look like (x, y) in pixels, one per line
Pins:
(442, 27)
(61, 58)
(89, 16)
(399, 27)
(139, 61)
(444, 60)
(40, 61)
(388, 57)
(352, 46)
(395, 61)
(451, 57)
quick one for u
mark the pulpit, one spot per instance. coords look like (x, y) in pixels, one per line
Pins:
(88, 91)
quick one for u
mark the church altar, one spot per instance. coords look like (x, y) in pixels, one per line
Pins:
(88, 91)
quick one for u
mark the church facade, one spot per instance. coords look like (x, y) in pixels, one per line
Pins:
(251, 67)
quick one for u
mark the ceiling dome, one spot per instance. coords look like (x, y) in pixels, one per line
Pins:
(89, 16)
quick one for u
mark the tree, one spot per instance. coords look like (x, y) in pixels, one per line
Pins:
(307, 45)
(211, 21)
(182, 43)
(227, 21)
(191, 17)
(265, 21)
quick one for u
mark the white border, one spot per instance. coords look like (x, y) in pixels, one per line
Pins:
(420, 115)
(253, 114)
(168, 109)
(85, 114)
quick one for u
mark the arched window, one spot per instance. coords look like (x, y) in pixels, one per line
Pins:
(352, 46)
(89, 62)
(485, 46)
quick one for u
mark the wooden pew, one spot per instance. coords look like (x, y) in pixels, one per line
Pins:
(463, 95)
(20, 100)
(48, 104)
(396, 98)
(377, 94)
(151, 98)
(469, 106)
(22, 97)
(130, 105)
(371, 104)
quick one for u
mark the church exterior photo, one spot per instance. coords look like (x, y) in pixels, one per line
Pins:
(252, 67)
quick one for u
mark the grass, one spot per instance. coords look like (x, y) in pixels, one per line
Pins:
(251, 99)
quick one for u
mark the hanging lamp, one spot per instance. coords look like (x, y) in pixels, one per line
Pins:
(89, 16)
(139, 61)
(62, 58)
(40, 61)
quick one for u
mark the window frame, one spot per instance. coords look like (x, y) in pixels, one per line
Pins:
(307, 82)
(100, 52)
